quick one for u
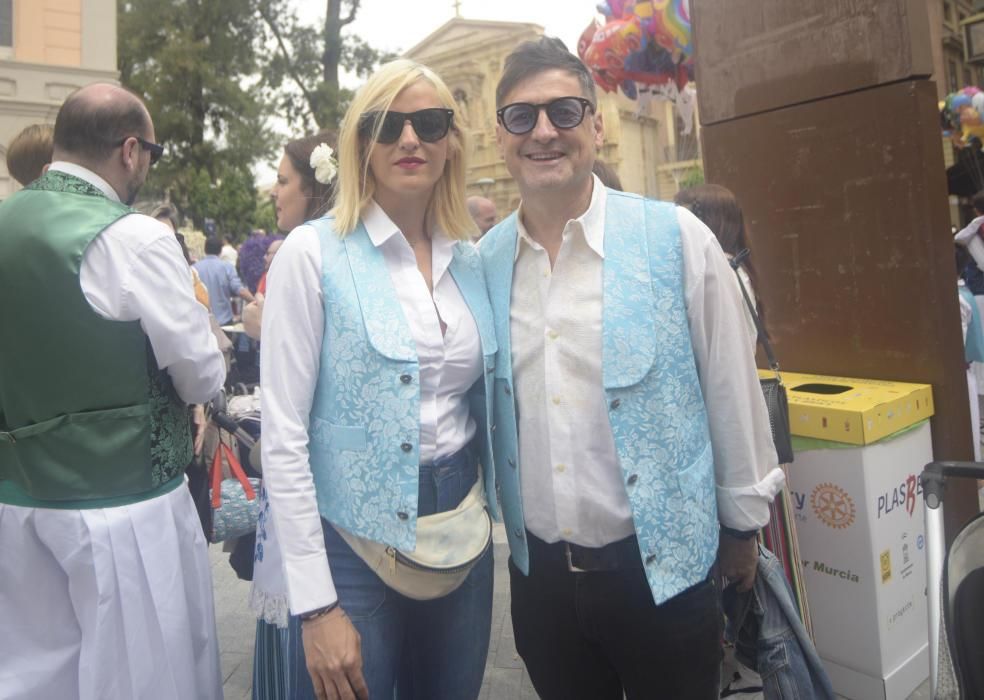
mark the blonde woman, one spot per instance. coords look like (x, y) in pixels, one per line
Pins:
(378, 341)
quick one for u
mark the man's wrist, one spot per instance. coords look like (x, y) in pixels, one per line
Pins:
(738, 534)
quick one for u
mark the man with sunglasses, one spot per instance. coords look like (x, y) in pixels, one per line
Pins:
(630, 427)
(105, 585)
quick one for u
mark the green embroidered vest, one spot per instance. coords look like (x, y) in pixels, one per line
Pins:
(87, 420)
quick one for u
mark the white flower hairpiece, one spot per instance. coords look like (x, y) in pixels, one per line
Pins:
(324, 164)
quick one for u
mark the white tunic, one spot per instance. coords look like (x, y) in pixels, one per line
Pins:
(116, 603)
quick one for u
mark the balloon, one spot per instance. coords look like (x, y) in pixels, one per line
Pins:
(977, 102)
(612, 43)
(670, 27)
(643, 42)
(959, 101)
(960, 116)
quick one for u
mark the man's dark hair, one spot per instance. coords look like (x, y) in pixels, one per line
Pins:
(213, 245)
(536, 56)
(978, 202)
(93, 131)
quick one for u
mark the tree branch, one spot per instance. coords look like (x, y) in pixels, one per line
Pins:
(291, 69)
(352, 13)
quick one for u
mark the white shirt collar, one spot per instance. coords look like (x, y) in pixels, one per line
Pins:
(82, 173)
(381, 230)
(591, 222)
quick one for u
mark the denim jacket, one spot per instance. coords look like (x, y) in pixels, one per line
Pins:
(769, 637)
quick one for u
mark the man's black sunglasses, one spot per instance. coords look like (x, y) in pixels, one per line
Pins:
(430, 124)
(564, 113)
(156, 150)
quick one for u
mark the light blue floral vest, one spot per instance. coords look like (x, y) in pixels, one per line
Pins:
(365, 419)
(654, 398)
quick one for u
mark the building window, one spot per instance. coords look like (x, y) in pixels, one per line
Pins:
(6, 23)
(952, 76)
(966, 76)
(948, 13)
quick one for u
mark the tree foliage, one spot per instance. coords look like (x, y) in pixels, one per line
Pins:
(195, 64)
(305, 62)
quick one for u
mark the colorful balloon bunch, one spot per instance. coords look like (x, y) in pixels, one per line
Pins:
(960, 117)
(643, 42)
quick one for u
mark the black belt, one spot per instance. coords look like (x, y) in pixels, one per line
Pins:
(616, 556)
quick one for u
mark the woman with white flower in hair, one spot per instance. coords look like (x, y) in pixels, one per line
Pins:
(303, 191)
(377, 369)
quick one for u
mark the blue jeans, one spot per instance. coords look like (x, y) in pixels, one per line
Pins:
(412, 649)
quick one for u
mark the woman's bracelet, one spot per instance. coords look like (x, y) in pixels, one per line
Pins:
(320, 612)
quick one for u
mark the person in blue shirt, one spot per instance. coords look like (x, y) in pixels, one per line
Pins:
(221, 280)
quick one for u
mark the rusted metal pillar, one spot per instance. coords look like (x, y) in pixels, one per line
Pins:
(820, 116)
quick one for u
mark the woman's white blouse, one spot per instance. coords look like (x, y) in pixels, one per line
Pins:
(293, 325)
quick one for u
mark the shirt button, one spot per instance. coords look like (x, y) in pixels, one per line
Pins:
(567, 532)
(406, 378)
(552, 335)
(633, 478)
(560, 468)
(402, 516)
(406, 447)
(615, 403)
(556, 400)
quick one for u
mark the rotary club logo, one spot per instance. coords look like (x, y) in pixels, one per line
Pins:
(833, 506)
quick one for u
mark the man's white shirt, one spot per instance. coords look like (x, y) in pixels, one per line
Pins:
(134, 271)
(572, 485)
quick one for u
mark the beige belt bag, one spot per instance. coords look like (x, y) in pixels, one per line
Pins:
(448, 546)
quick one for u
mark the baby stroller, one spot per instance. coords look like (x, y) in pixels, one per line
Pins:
(234, 421)
(240, 416)
(955, 588)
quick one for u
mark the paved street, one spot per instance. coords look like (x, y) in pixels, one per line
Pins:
(505, 677)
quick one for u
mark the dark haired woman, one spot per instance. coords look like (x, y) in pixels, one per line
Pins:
(718, 208)
(302, 193)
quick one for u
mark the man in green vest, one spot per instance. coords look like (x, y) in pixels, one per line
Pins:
(105, 587)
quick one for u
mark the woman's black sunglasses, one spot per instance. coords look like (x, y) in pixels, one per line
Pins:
(430, 125)
(564, 113)
(156, 150)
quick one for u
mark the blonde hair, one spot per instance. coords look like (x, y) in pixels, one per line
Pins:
(356, 184)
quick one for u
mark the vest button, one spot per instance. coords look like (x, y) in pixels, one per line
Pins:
(518, 532)
(406, 378)
(507, 391)
(650, 559)
(512, 462)
(402, 516)
(615, 403)
(406, 447)
(490, 369)
(633, 478)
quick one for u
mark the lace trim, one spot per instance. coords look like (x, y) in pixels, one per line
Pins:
(269, 608)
